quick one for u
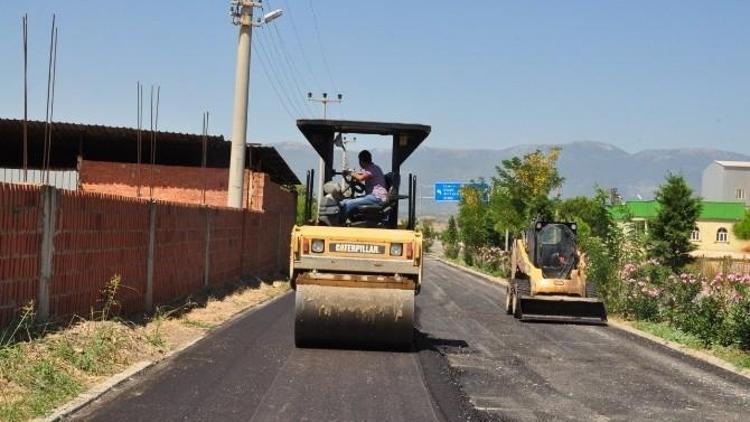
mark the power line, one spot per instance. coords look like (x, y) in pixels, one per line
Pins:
(320, 44)
(272, 81)
(288, 71)
(281, 78)
(299, 45)
(296, 74)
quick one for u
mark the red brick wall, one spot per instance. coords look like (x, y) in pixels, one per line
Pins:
(167, 183)
(98, 236)
(178, 250)
(20, 240)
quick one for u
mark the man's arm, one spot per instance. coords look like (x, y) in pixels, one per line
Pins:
(361, 175)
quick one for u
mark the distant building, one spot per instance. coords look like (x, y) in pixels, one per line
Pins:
(727, 181)
(713, 234)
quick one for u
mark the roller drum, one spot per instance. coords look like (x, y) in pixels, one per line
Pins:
(330, 316)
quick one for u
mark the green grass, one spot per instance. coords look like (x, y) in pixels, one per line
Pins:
(46, 384)
(735, 356)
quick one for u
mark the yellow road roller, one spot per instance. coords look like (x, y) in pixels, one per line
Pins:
(548, 277)
(356, 268)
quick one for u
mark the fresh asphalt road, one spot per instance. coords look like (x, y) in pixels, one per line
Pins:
(471, 362)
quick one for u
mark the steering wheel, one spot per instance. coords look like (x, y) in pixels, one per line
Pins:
(356, 187)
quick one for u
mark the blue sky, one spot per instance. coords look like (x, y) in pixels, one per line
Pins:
(484, 74)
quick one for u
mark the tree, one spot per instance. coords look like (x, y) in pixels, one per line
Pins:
(521, 190)
(742, 228)
(428, 234)
(591, 211)
(473, 221)
(669, 233)
(450, 239)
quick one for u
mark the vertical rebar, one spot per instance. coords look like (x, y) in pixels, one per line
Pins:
(203, 155)
(139, 138)
(49, 82)
(52, 107)
(25, 97)
(151, 147)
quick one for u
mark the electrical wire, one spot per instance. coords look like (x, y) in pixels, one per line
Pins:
(278, 77)
(299, 45)
(320, 45)
(271, 80)
(288, 71)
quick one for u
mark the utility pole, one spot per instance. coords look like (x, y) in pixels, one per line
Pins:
(321, 165)
(241, 12)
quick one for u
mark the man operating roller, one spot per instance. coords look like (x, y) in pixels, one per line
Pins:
(372, 177)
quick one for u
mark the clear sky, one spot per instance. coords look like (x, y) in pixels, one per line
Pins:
(484, 74)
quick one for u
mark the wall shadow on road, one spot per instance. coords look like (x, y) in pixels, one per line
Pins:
(200, 299)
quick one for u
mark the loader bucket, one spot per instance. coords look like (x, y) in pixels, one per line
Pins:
(562, 309)
(332, 316)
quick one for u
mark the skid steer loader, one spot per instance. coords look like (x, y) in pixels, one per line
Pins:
(355, 276)
(548, 277)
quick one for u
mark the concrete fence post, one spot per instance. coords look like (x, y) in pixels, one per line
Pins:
(48, 228)
(150, 257)
(207, 248)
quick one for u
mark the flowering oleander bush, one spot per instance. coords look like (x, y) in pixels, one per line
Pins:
(493, 260)
(715, 309)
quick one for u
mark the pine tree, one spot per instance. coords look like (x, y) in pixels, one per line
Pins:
(450, 239)
(669, 234)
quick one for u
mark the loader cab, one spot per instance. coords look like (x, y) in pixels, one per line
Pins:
(552, 247)
(323, 136)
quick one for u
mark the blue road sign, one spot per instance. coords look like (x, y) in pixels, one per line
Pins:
(483, 188)
(448, 191)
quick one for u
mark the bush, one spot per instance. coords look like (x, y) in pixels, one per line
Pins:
(493, 260)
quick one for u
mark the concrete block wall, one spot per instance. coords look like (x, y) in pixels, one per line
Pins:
(60, 248)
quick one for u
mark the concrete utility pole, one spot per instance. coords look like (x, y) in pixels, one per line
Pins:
(321, 165)
(242, 15)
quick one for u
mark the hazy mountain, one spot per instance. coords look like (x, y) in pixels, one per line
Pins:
(583, 164)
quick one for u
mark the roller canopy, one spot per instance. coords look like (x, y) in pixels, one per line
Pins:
(321, 134)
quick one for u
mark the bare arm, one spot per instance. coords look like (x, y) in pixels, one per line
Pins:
(361, 176)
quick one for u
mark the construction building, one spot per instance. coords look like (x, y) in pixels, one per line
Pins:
(103, 159)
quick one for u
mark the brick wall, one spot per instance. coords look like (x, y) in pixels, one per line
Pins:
(20, 241)
(96, 236)
(168, 183)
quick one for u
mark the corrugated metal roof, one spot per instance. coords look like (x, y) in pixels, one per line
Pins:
(712, 210)
(119, 144)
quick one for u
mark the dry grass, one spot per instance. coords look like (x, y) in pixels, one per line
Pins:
(45, 371)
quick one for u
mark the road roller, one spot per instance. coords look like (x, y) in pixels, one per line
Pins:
(356, 269)
(548, 277)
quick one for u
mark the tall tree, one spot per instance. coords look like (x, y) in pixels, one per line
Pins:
(522, 188)
(450, 239)
(742, 228)
(473, 221)
(669, 233)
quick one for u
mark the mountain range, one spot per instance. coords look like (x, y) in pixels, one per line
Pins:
(584, 165)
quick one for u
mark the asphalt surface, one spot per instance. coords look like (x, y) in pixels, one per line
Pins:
(470, 362)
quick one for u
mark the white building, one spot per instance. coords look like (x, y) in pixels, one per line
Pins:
(727, 181)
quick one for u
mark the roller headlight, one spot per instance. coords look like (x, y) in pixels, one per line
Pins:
(318, 246)
(397, 249)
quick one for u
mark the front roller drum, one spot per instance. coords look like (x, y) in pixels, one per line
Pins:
(329, 316)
